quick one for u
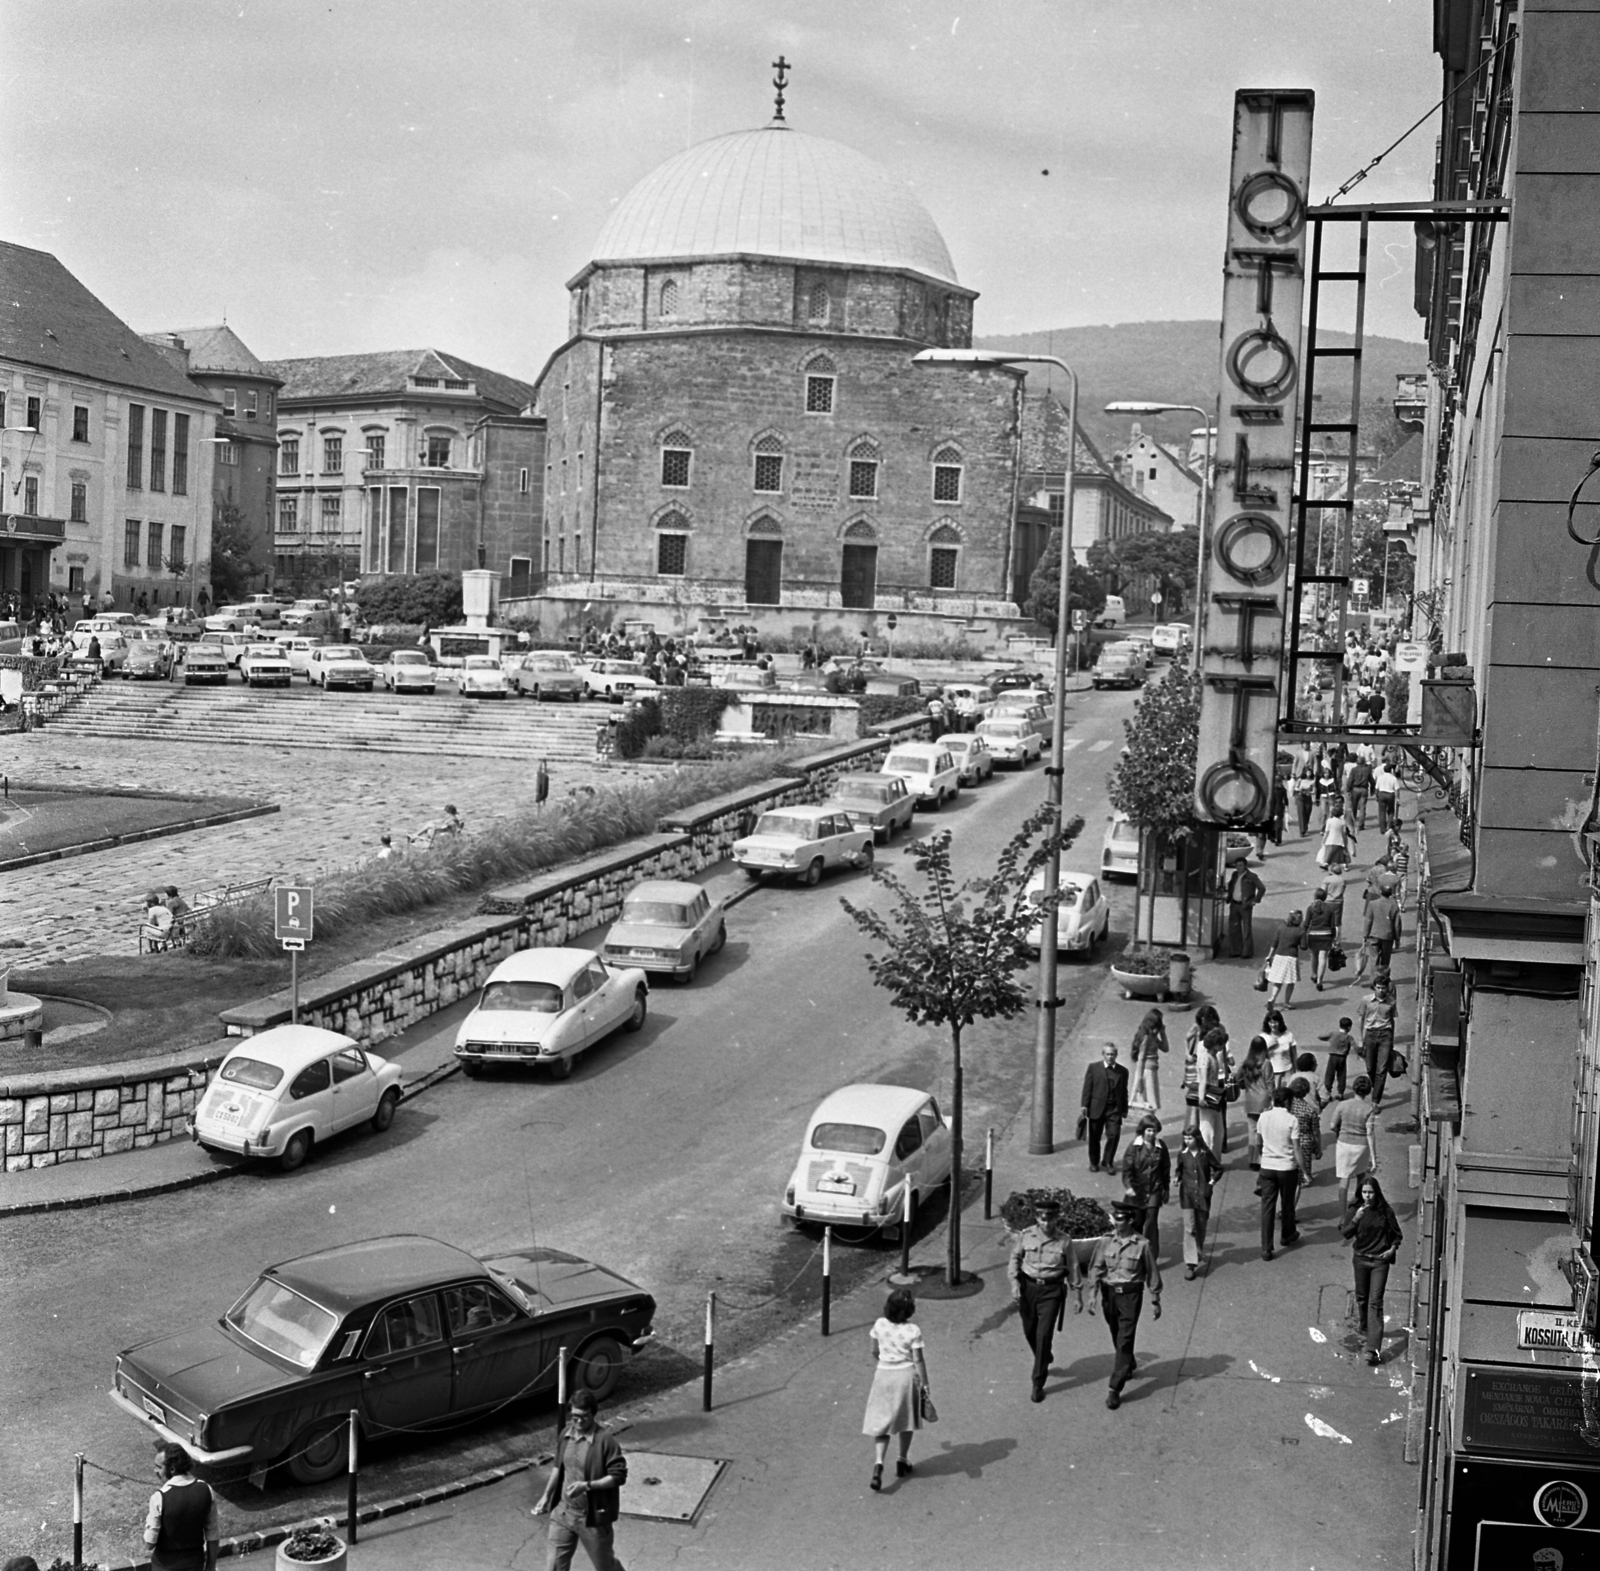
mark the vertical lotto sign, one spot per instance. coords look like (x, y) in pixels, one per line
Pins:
(1245, 594)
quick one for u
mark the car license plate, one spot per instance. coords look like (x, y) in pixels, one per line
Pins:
(835, 1184)
(228, 1115)
(154, 1409)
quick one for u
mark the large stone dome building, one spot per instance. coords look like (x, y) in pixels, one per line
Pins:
(735, 424)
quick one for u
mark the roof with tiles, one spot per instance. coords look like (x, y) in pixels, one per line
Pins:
(217, 350)
(49, 320)
(387, 372)
(1044, 440)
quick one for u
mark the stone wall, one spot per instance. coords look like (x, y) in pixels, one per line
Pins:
(73, 1115)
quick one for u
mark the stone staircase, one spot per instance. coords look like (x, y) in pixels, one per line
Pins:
(305, 717)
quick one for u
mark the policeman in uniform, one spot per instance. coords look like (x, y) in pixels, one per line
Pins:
(1041, 1269)
(1122, 1266)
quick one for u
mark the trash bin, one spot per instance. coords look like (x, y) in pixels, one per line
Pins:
(1178, 975)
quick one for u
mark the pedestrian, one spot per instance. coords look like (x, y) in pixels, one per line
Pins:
(1319, 935)
(156, 928)
(1333, 888)
(1278, 1182)
(1256, 1083)
(1206, 1094)
(583, 1494)
(1105, 1105)
(1277, 807)
(1327, 784)
(1339, 1044)
(1302, 783)
(1375, 1237)
(899, 1383)
(385, 847)
(1337, 832)
(1283, 960)
(1122, 1267)
(1382, 930)
(1198, 1171)
(453, 823)
(1303, 1104)
(1375, 1029)
(175, 903)
(1359, 790)
(181, 1525)
(1355, 1138)
(1149, 1043)
(1386, 789)
(1147, 1176)
(1280, 1041)
(1041, 1267)
(1244, 895)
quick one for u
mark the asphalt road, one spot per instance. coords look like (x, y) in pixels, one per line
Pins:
(664, 1156)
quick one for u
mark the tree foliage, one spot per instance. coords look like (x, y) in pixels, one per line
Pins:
(233, 567)
(951, 953)
(1084, 590)
(430, 598)
(1168, 559)
(1153, 782)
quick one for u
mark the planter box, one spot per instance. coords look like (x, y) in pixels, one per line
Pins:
(1136, 985)
(334, 1562)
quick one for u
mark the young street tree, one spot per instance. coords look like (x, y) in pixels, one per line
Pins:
(952, 953)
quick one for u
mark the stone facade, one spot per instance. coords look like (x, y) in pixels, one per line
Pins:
(98, 1116)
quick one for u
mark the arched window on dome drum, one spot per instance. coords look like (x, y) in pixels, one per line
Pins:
(864, 459)
(769, 465)
(669, 297)
(821, 374)
(944, 557)
(676, 453)
(947, 466)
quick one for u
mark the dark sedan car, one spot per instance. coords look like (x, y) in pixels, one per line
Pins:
(407, 1331)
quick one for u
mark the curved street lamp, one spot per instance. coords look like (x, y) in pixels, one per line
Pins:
(1041, 1130)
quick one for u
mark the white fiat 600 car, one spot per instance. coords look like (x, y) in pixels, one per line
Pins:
(548, 1006)
(285, 1090)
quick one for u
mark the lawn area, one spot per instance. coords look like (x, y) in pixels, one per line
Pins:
(36, 823)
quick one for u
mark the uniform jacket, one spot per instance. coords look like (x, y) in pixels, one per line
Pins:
(1105, 1091)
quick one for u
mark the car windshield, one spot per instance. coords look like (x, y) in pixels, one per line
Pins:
(341, 654)
(284, 1322)
(482, 663)
(855, 1139)
(655, 913)
(619, 668)
(547, 663)
(863, 791)
(408, 657)
(786, 824)
(1002, 728)
(1124, 830)
(252, 1072)
(908, 763)
(533, 998)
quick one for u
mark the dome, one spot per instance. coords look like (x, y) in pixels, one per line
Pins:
(775, 192)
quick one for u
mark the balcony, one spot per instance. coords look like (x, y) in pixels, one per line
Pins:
(27, 529)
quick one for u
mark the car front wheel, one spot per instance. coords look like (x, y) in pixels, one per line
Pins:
(637, 1014)
(384, 1116)
(598, 1367)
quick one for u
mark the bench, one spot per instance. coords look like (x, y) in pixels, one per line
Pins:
(206, 901)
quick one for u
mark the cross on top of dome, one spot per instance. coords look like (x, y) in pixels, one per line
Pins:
(780, 81)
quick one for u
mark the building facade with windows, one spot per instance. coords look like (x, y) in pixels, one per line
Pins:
(405, 461)
(1152, 470)
(245, 474)
(735, 424)
(106, 450)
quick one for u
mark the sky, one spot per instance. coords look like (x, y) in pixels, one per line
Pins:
(336, 177)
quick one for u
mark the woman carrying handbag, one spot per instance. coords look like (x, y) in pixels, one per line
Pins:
(899, 1401)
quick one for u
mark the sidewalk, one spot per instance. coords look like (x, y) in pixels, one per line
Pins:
(1250, 1431)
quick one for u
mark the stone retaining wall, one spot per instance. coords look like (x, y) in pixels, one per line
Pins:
(70, 1115)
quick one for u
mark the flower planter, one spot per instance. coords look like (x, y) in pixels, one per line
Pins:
(1083, 1248)
(1135, 984)
(336, 1561)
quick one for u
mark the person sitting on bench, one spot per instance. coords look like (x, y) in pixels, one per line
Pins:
(156, 928)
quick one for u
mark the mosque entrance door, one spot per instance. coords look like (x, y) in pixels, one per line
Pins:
(858, 576)
(763, 571)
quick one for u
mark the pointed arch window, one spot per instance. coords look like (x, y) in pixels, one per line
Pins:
(672, 545)
(669, 297)
(864, 461)
(821, 377)
(944, 557)
(947, 467)
(769, 465)
(677, 454)
(817, 303)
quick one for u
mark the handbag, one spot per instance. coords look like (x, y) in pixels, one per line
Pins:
(930, 1414)
(1336, 958)
(1260, 983)
(1398, 1064)
(1083, 1124)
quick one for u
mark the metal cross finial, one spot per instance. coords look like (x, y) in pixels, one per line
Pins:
(780, 81)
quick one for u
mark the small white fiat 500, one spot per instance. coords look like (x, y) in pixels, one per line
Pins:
(863, 1146)
(285, 1090)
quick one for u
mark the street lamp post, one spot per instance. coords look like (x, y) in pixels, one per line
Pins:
(1041, 1130)
(1137, 407)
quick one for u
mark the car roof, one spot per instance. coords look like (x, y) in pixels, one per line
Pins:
(291, 1047)
(349, 1275)
(543, 965)
(664, 889)
(917, 747)
(878, 1104)
(857, 778)
(802, 810)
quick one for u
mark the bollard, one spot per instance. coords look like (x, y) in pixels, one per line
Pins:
(711, 1340)
(350, 1505)
(988, 1175)
(561, 1387)
(905, 1232)
(77, 1511)
(827, 1276)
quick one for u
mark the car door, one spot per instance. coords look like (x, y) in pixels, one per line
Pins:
(355, 1088)
(1096, 916)
(602, 1007)
(309, 1100)
(407, 1370)
(935, 1145)
(906, 1160)
(701, 914)
(496, 1349)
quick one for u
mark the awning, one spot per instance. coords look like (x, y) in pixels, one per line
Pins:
(1516, 928)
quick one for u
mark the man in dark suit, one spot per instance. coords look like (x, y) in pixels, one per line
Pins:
(1105, 1105)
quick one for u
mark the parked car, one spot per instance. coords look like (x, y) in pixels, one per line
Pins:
(615, 679)
(1024, 704)
(880, 803)
(1113, 614)
(204, 663)
(297, 649)
(803, 842)
(149, 660)
(928, 770)
(113, 648)
(1119, 853)
(408, 671)
(862, 1147)
(1012, 738)
(178, 624)
(480, 676)
(967, 702)
(338, 665)
(232, 645)
(974, 760)
(406, 1331)
(1082, 915)
(265, 665)
(1171, 639)
(666, 926)
(547, 673)
(291, 1088)
(549, 1006)
(1118, 668)
(302, 611)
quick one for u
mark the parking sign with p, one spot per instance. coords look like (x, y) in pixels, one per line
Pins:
(292, 907)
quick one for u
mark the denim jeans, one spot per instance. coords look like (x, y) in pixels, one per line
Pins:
(1278, 1189)
(597, 1542)
(1194, 1233)
(1371, 1280)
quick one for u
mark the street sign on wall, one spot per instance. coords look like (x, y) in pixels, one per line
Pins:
(1244, 596)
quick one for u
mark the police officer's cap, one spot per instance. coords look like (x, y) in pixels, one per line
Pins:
(1129, 1209)
(1047, 1207)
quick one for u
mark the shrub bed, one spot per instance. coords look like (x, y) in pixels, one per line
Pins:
(878, 707)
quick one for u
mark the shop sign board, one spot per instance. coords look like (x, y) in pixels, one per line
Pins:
(1245, 588)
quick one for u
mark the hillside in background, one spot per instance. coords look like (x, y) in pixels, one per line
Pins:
(1179, 362)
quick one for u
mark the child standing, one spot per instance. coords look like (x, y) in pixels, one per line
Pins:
(1339, 1044)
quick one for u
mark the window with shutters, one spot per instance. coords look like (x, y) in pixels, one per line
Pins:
(288, 515)
(30, 495)
(376, 444)
(80, 423)
(289, 456)
(153, 545)
(158, 450)
(333, 455)
(947, 468)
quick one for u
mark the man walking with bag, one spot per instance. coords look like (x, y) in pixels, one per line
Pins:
(1105, 1105)
(1121, 1268)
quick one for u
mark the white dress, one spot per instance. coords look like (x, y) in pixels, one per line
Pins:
(892, 1405)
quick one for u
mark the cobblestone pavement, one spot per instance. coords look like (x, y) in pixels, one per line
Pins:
(332, 809)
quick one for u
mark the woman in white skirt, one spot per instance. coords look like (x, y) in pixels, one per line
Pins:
(894, 1405)
(1283, 963)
